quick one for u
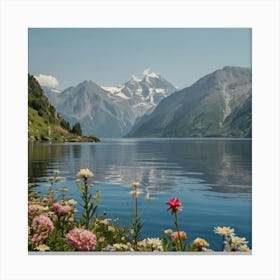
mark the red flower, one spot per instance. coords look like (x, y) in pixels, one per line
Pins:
(174, 205)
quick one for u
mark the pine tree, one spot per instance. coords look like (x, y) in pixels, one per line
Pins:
(76, 129)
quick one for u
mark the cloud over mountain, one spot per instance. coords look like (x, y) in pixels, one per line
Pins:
(47, 80)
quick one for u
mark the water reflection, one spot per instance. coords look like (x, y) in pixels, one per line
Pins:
(40, 158)
(160, 165)
(212, 178)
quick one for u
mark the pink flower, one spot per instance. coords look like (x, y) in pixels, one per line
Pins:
(64, 210)
(81, 239)
(32, 208)
(61, 210)
(37, 238)
(42, 226)
(174, 205)
(42, 223)
(56, 206)
(175, 235)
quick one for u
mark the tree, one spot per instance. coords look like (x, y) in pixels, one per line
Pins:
(76, 129)
(65, 124)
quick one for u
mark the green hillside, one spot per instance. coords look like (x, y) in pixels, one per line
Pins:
(44, 123)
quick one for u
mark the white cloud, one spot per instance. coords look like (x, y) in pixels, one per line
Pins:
(47, 80)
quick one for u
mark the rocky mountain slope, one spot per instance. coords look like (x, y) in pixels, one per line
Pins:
(217, 105)
(110, 111)
(143, 95)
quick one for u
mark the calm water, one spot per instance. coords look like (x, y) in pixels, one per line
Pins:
(211, 177)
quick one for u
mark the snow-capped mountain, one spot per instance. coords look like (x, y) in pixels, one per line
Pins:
(217, 105)
(110, 111)
(144, 94)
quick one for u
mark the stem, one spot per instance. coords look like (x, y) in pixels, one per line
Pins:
(224, 245)
(60, 226)
(136, 208)
(86, 204)
(177, 227)
(135, 224)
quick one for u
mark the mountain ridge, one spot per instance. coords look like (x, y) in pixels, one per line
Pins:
(110, 111)
(201, 109)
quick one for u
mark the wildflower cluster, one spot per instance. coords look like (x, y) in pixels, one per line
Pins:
(53, 225)
(173, 240)
(81, 239)
(231, 242)
(145, 245)
(41, 227)
(61, 210)
(150, 245)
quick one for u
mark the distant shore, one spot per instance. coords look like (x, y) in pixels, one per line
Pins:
(62, 140)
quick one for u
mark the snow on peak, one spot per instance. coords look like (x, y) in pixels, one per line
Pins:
(121, 95)
(149, 73)
(134, 78)
(111, 89)
(55, 90)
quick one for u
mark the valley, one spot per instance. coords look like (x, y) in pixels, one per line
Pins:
(217, 105)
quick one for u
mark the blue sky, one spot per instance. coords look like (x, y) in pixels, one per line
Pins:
(110, 56)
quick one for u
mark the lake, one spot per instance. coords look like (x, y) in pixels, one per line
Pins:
(211, 177)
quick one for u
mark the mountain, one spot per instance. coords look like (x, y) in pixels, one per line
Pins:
(44, 123)
(51, 93)
(98, 111)
(143, 95)
(110, 111)
(217, 105)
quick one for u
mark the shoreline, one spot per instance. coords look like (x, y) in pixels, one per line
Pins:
(65, 140)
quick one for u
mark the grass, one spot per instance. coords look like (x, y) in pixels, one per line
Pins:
(40, 129)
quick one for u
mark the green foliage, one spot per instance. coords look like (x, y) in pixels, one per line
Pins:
(89, 205)
(136, 227)
(44, 123)
(96, 139)
(50, 222)
(65, 124)
(76, 129)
